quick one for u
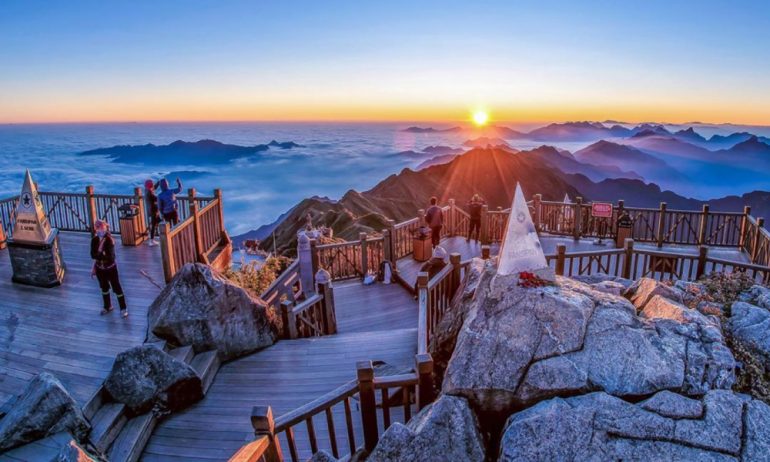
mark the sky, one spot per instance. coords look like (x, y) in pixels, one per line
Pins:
(97, 61)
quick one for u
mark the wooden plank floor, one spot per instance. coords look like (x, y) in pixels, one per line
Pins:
(59, 330)
(375, 322)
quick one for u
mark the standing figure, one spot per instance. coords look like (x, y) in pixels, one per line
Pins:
(105, 267)
(475, 207)
(167, 201)
(437, 262)
(154, 211)
(434, 216)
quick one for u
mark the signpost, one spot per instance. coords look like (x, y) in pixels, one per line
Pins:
(602, 211)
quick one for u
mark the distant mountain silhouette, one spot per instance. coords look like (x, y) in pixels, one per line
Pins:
(483, 141)
(203, 152)
(690, 135)
(438, 160)
(577, 131)
(442, 150)
(284, 145)
(607, 153)
(432, 130)
(567, 163)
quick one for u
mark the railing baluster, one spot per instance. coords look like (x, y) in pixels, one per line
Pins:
(332, 432)
(349, 426)
(385, 408)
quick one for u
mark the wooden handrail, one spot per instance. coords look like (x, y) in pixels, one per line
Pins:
(252, 452)
(392, 381)
(318, 405)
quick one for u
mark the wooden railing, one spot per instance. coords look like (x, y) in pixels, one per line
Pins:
(313, 317)
(399, 397)
(285, 287)
(201, 238)
(402, 237)
(756, 241)
(434, 297)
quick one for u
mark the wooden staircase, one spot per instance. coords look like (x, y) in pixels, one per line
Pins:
(122, 438)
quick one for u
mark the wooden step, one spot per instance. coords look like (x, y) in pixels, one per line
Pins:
(130, 443)
(206, 365)
(183, 353)
(106, 424)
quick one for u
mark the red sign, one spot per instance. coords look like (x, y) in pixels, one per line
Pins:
(601, 209)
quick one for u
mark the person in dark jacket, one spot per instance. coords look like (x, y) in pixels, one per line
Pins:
(153, 211)
(475, 206)
(434, 217)
(167, 201)
(437, 262)
(105, 267)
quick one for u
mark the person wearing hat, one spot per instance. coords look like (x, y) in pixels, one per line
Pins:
(437, 262)
(154, 211)
(105, 267)
(475, 207)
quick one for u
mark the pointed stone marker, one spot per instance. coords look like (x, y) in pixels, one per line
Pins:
(31, 223)
(567, 199)
(521, 249)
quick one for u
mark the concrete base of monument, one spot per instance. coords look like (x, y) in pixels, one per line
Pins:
(37, 264)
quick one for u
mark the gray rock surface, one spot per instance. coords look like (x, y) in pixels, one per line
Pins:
(519, 346)
(72, 452)
(45, 408)
(750, 325)
(322, 456)
(145, 377)
(445, 430)
(757, 295)
(644, 289)
(203, 309)
(597, 279)
(598, 427)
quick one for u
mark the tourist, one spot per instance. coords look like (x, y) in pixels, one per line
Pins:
(105, 267)
(153, 210)
(475, 207)
(434, 217)
(437, 262)
(167, 201)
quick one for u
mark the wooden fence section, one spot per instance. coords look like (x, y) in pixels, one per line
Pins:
(201, 238)
(400, 396)
(402, 237)
(313, 317)
(434, 297)
(287, 286)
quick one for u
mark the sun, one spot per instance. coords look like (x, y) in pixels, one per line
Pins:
(480, 118)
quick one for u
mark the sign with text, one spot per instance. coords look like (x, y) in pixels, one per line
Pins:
(601, 209)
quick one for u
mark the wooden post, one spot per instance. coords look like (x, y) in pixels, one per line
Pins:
(452, 231)
(757, 235)
(367, 401)
(628, 257)
(200, 252)
(537, 200)
(324, 288)
(425, 392)
(454, 260)
(704, 218)
(421, 217)
(264, 425)
(166, 252)
(314, 258)
(576, 230)
(423, 320)
(661, 234)
(289, 319)
(485, 251)
(702, 255)
(3, 239)
(142, 213)
(484, 231)
(561, 249)
(393, 244)
(744, 227)
(91, 202)
(364, 254)
(218, 196)
(387, 249)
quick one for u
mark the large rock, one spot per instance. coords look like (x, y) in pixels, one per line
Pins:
(145, 377)
(519, 346)
(445, 430)
(757, 295)
(73, 452)
(644, 289)
(45, 408)
(750, 325)
(723, 426)
(203, 309)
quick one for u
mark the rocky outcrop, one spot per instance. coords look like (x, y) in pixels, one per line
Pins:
(145, 378)
(72, 452)
(722, 426)
(644, 289)
(445, 430)
(518, 346)
(203, 309)
(45, 408)
(750, 325)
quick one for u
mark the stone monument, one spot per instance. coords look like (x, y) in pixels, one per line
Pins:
(521, 250)
(34, 247)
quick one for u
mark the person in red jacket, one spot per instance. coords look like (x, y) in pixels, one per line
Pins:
(105, 268)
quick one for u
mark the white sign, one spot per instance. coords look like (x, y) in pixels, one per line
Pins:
(521, 249)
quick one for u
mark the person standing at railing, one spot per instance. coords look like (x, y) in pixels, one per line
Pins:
(167, 201)
(475, 206)
(154, 211)
(434, 217)
(105, 268)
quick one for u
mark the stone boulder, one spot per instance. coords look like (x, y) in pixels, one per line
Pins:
(445, 430)
(145, 377)
(722, 426)
(757, 295)
(598, 279)
(644, 289)
(750, 325)
(518, 346)
(204, 309)
(45, 408)
(72, 452)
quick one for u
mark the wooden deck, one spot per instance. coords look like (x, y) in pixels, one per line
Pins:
(59, 330)
(375, 322)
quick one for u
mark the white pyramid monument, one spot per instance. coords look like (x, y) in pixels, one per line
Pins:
(521, 249)
(567, 200)
(31, 223)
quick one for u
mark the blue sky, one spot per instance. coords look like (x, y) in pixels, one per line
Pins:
(249, 60)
